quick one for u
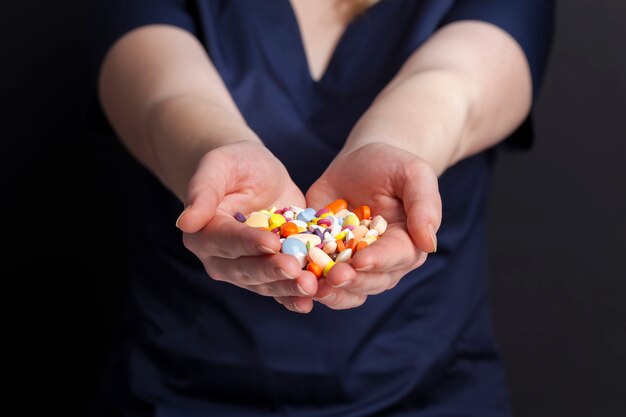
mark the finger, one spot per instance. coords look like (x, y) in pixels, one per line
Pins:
(338, 298)
(254, 270)
(422, 203)
(374, 283)
(303, 286)
(393, 251)
(207, 188)
(225, 237)
(296, 304)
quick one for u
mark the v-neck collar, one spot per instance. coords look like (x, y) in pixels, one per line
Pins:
(299, 48)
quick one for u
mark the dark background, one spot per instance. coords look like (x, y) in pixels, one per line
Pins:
(558, 227)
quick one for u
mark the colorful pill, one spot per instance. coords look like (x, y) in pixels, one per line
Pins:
(337, 205)
(258, 220)
(306, 215)
(330, 247)
(344, 255)
(379, 224)
(306, 237)
(318, 256)
(240, 217)
(369, 239)
(302, 226)
(342, 213)
(277, 219)
(293, 246)
(359, 231)
(363, 212)
(319, 212)
(315, 268)
(288, 229)
(351, 220)
(362, 244)
(324, 222)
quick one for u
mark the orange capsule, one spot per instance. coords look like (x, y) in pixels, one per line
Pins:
(337, 205)
(288, 229)
(361, 245)
(363, 212)
(351, 244)
(340, 245)
(315, 268)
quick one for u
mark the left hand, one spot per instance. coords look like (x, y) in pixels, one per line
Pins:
(401, 187)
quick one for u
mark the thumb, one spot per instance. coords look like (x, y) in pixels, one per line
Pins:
(207, 189)
(422, 203)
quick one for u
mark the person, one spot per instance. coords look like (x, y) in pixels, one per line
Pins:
(241, 105)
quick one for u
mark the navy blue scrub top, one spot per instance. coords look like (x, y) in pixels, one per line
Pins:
(191, 346)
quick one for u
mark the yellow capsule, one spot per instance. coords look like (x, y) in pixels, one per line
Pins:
(272, 210)
(324, 215)
(341, 235)
(328, 267)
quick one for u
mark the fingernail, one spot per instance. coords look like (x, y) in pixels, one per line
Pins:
(433, 236)
(343, 284)
(283, 273)
(302, 291)
(265, 249)
(182, 214)
(365, 268)
(327, 297)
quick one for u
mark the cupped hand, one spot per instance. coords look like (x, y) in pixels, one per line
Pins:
(402, 188)
(244, 177)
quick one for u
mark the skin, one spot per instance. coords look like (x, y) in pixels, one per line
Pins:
(464, 90)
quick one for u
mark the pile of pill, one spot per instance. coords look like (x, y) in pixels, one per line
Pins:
(320, 239)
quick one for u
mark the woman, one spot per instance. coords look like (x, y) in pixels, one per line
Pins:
(242, 105)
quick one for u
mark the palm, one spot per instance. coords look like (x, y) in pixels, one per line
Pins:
(256, 181)
(356, 179)
(403, 189)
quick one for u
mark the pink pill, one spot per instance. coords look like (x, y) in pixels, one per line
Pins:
(321, 211)
(324, 222)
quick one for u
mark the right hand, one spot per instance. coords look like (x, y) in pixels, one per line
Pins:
(244, 177)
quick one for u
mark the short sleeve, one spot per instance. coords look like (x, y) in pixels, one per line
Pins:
(530, 23)
(109, 20)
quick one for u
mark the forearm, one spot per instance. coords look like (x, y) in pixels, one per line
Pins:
(465, 90)
(178, 132)
(167, 103)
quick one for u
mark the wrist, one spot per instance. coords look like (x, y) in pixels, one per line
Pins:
(181, 131)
